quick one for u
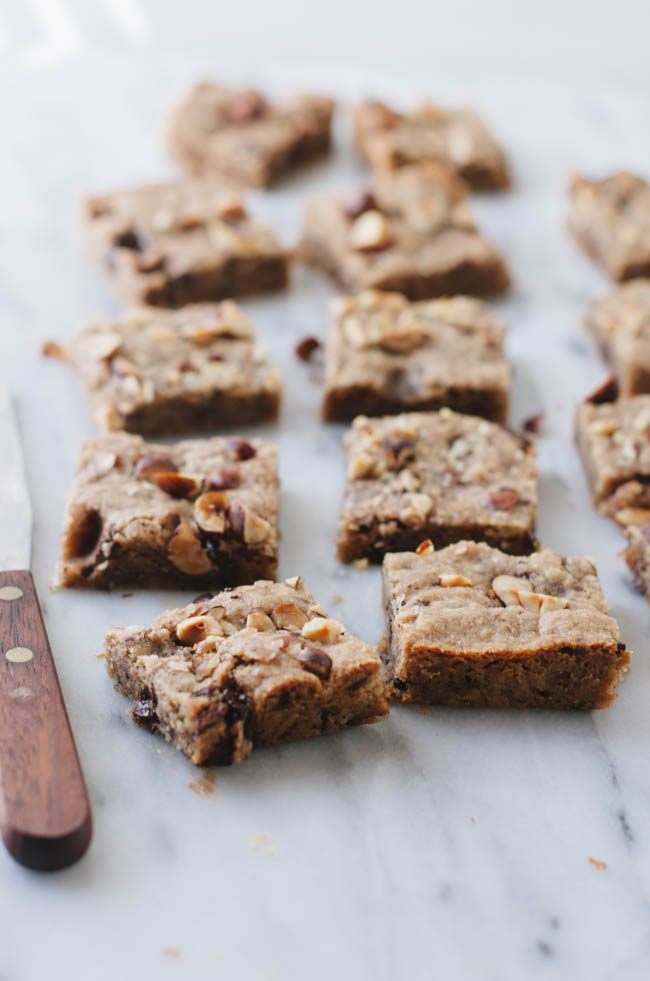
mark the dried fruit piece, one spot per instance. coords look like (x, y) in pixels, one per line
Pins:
(258, 620)
(195, 629)
(324, 629)
(242, 449)
(210, 511)
(186, 553)
(147, 466)
(307, 347)
(180, 485)
(504, 499)
(288, 616)
(370, 232)
(316, 661)
(607, 392)
(246, 523)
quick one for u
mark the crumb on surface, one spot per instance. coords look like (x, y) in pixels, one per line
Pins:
(601, 866)
(171, 952)
(360, 563)
(337, 598)
(204, 785)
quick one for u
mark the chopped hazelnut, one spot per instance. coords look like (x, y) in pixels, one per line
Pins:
(509, 588)
(146, 467)
(425, 548)
(324, 629)
(210, 511)
(370, 231)
(316, 661)
(103, 345)
(287, 615)
(195, 629)
(258, 620)
(181, 485)
(294, 581)
(451, 579)
(635, 517)
(246, 523)
(185, 551)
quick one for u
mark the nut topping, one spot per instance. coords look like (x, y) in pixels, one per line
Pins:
(210, 511)
(316, 661)
(603, 427)
(195, 629)
(185, 551)
(425, 548)
(102, 346)
(509, 588)
(258, 620)
(180, 485)
(634, 517)
(451, 579)
(288, 615)
(147, 466)
(246, 523)
(370, 232)
(519, 592)
(324, 629)
(607, 392)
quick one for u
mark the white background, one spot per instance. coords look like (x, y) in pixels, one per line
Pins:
(450, 845)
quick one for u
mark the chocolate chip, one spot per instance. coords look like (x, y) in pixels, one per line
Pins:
(144, 710)
(236, 517)
(224, 479)
(607, 392)
(306, 348)
(203, 597)
(177, 484)
(185, 366)
(242, 449)
(503, 500)
(210, 715)
(128, 240)
(316, 661)
(364, 201)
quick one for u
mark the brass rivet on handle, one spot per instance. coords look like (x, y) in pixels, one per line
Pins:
(9, 593)
(18, 655)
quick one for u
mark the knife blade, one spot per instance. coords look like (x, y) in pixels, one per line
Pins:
(45, 818)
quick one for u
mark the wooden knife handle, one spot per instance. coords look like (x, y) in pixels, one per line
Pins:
(44, 810)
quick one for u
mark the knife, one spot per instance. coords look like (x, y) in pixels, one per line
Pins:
(45, 816)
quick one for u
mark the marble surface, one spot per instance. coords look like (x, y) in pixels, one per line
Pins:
(448, 844)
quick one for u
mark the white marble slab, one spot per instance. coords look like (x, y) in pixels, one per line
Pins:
(447, 844)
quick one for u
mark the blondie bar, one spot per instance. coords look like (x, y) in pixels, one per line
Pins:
(386, 355)
(173, 244)
(470, 625)
(255, 665)
(202, 513)
(238, 134)
(610, 219)
(439, 475)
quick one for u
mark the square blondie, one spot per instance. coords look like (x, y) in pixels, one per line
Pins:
(385, 355)
(457, 137)
(202, 513)
(620, 324)
(614, 442)
(473, 626)
(173, 244)
(257, 665)
(238, 134)
(441, 476)
(413, 234)
(158, 371)
(610, 219)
